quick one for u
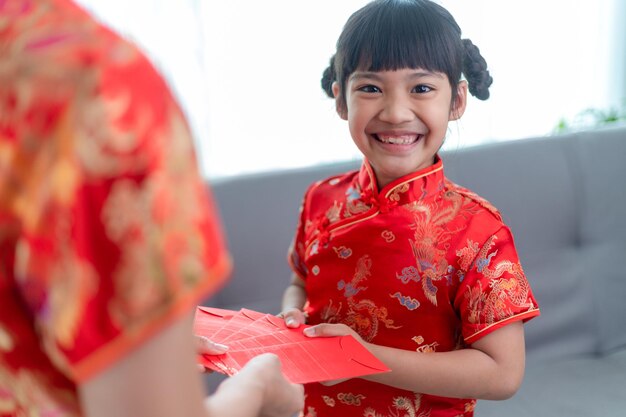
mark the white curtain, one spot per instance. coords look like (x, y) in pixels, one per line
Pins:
(247, 72)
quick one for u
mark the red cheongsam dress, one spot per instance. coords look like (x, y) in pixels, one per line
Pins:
(107, 233)
(422, 265)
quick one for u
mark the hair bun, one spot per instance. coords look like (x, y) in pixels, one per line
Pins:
(329, 77)
(475, 70)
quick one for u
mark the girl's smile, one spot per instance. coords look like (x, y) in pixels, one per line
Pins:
(399, 119)
(397, 138)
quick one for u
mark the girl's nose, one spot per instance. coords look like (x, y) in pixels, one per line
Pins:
(396, 111)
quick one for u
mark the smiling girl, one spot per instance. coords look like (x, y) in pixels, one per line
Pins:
(420, 270)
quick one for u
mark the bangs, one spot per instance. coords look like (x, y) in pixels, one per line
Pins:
(397, 35)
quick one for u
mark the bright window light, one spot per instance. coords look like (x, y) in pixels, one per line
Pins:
(247, 72)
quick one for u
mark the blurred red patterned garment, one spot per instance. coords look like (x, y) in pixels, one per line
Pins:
(107, 231)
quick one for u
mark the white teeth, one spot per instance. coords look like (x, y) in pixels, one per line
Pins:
(398, 140)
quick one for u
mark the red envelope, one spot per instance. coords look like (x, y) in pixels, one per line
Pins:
(315, 359)
(304, 359)
(248, 326)
(236, 322)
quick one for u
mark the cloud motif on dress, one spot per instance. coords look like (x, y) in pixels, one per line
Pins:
(388, 236)
(408, 302)
(343, 252)
(409, 273)
(349, 290)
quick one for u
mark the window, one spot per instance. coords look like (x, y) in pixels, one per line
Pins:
(247, 72)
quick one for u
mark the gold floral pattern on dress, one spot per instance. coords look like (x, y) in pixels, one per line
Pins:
(424, 348)
(467, 254)
(364, 316)
(101, 204)
(349, 398)
(504, 293)
(361, 273)
(470, 406)
(331, 313)
(329, 401)
(404, 407)
(334, 213)
(127, 222)
(25, 393)
(395, 193)
(76, 282)
(356, 202)
(429, 235)
(476, 298)
(388, 236)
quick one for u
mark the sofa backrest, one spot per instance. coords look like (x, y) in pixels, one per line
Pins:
(564, 197)
(260, 214)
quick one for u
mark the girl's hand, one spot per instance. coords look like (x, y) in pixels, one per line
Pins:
(328, 329)
(205, 346)
(293, 317)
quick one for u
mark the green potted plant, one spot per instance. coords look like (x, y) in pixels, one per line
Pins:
(591, 117)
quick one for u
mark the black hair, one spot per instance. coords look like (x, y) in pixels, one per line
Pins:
(388, 35)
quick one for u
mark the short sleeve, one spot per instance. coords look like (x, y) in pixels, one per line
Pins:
(120, 233)
(296, 252)
(494, 291)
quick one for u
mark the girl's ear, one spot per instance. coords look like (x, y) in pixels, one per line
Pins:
(458, 107)
(339, 106)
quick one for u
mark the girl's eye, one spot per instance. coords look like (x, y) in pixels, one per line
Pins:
(369, 89)
(421, 89)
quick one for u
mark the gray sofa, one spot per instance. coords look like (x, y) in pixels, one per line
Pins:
(565, 200)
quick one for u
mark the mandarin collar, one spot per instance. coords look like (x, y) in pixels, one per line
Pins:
(412, 187)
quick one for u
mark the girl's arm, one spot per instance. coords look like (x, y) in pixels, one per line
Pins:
(491, 368)
(294, 299)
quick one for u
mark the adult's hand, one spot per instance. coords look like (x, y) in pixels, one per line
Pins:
(205, 346)
(263, 382)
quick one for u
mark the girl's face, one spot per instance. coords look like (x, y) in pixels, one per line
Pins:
(399, 119)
